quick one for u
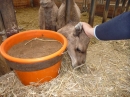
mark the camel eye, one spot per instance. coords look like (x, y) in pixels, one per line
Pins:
(78, 50)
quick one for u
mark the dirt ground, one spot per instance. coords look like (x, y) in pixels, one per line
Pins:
(35, 48)
(105, 74)
(27, 18)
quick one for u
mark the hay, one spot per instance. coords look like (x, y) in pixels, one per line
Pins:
(105, 74)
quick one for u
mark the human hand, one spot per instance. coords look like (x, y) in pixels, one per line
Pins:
(88, 29)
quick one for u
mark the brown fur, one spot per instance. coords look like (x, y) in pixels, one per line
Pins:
(77, 39)
(77, 42)
(74, 14)
(48, 15)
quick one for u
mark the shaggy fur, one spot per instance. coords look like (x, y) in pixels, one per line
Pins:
(77, 42)
(77, 39)
(48, 15)
(74, 14)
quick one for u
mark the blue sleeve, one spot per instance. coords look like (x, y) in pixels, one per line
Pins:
(117, 28)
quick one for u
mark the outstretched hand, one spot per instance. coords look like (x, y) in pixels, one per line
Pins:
(88, 29)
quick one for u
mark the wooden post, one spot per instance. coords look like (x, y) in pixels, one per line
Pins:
(105, 13)
(8, 17)
(92, 12)
(116, 8)
(4, 68)
(8, 24)
(67, 13)
(2, 30)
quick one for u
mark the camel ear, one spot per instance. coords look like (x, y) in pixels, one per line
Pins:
(78, 29)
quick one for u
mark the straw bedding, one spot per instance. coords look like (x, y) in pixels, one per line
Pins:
(105, 74)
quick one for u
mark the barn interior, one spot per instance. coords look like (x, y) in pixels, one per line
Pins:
(106, 72)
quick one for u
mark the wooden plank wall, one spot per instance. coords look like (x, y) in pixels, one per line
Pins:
(99, 7)
(27, 3)
(21, 3)
(58, 2)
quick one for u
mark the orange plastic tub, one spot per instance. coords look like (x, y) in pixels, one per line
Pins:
(36, 70)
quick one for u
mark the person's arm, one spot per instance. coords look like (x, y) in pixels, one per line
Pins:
(115, 29)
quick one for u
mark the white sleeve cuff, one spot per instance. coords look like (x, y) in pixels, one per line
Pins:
(95, 32)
